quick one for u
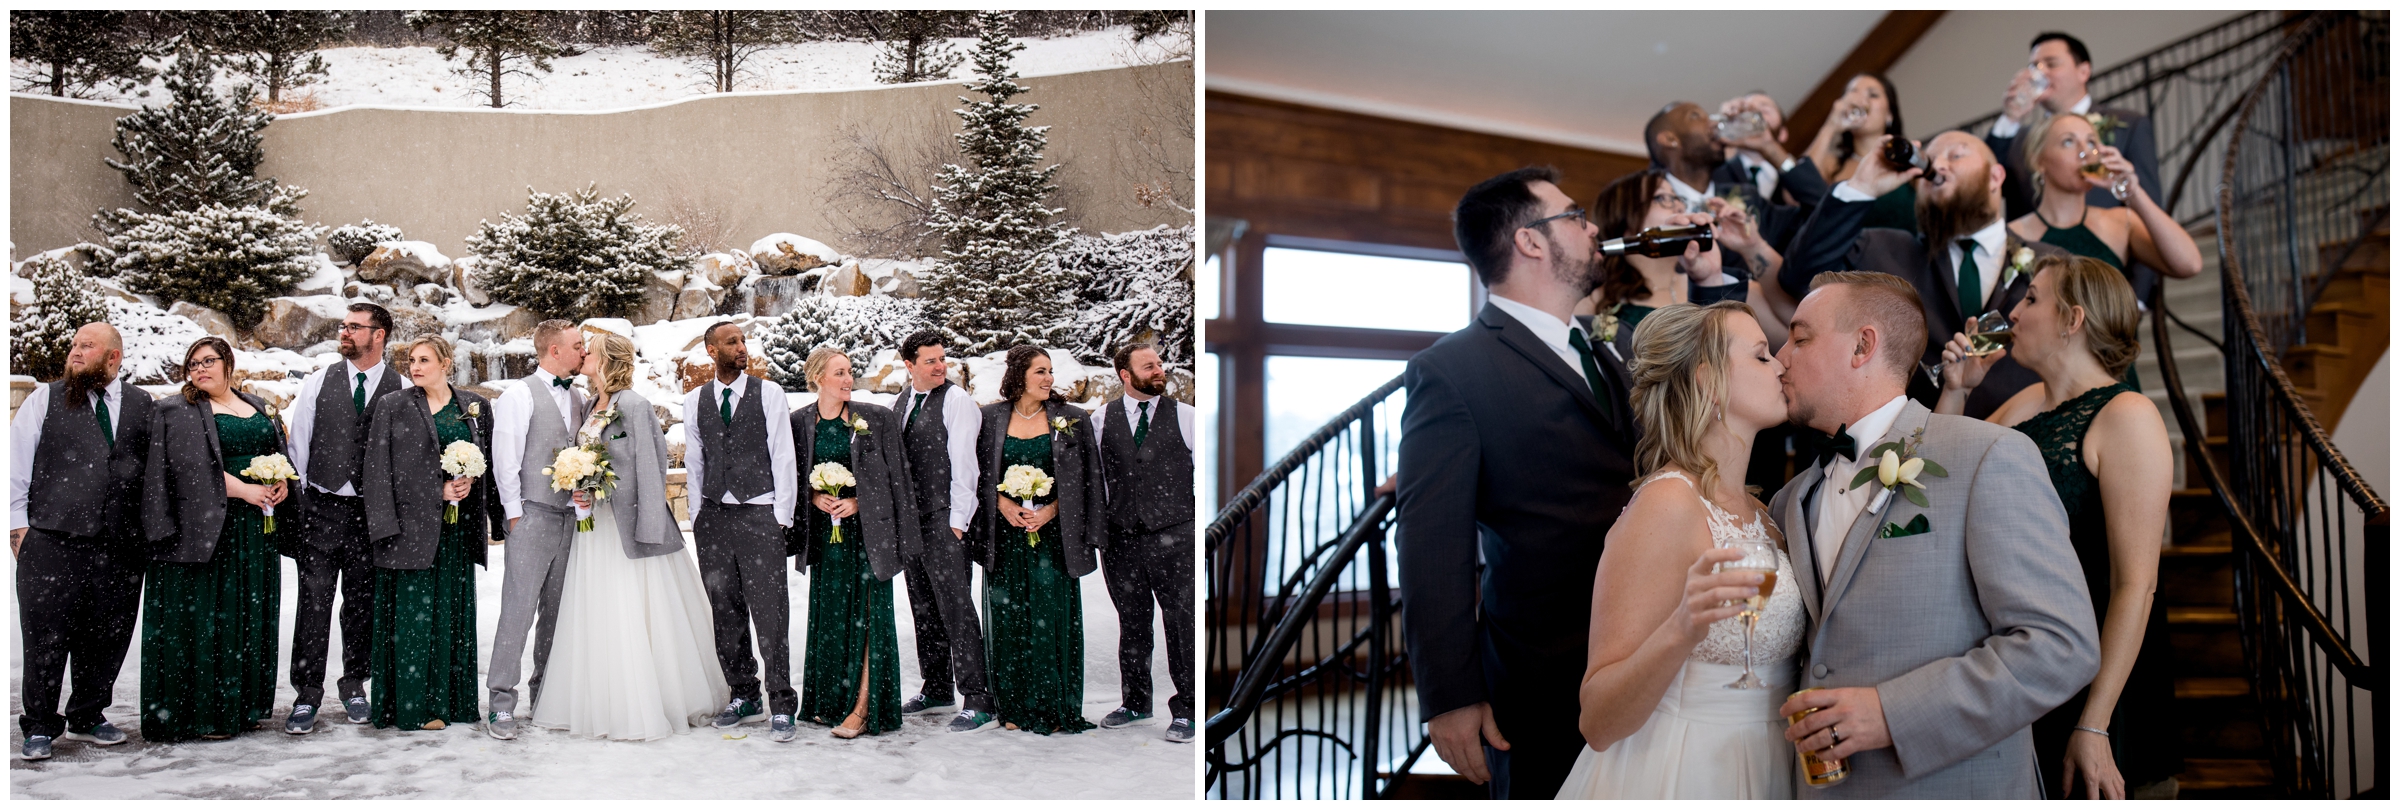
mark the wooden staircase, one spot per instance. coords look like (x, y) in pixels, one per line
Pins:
(2348, 330)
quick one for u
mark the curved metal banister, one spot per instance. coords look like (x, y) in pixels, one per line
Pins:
(1252, 682)
(1256, 493)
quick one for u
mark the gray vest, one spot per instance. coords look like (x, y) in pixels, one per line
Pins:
(734, 459)
(546, 433)
(927, 441)
(337, 442)
(1149, 488)
(70, 495)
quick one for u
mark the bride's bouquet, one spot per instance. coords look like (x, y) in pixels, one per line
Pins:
(830, 478)
(582, 468)
(1026, 483)
(268, 469)
(462, 459)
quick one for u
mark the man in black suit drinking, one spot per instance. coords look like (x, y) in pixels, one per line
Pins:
(1516, 443)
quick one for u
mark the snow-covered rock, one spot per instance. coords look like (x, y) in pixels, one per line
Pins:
(847, 280)
(209, 320)
(411, 322)
(154, 340)
(770, 296)
(618, 326)
(462, 278)
(326, 278)
(497, 323)
(404, 264)
(295, 321)
(784, 254)
(722, 269)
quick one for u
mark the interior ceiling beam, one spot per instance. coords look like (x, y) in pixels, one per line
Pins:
(1881, 48)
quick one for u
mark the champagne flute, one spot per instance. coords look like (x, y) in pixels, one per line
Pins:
(1757, 555)
(1986, 333)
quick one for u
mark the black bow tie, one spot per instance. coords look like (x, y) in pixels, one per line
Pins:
(563, 382)
(1841, 444)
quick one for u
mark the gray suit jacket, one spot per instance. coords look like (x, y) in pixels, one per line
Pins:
(401, 479)
(183, 482)
(887, 503)
(1082, 522)
(637, 450)
(1967, 632)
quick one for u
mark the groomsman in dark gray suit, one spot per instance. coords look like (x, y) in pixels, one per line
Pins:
(939, 423)
(78, 445)
(329, 446)
(1147, 455)
(2062, 60)
(741, 501)
(530, 424)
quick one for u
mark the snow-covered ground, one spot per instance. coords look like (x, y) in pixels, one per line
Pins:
(341, 760)
(621, 76)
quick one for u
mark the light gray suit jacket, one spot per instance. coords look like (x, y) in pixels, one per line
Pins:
(1968, 632)
(637, 450)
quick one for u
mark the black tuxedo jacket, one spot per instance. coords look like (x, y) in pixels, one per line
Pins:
(1504, 449)
(1797, 195)
(1834, 240)
(2140, 145)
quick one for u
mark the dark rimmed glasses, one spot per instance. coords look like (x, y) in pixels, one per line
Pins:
(1575, 213)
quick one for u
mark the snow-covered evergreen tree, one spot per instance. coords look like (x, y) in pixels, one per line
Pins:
(994, 285)
(575, 255)
(41, 333)
(225, 258)
(859, 325)
(915, 46)
(200, 149)
(351, 243)
(278, 47)
(1141, 289)
(72, 53)
(719, 42)
(499, 44)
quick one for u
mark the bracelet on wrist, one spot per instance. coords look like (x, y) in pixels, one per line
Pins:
(2103, 734)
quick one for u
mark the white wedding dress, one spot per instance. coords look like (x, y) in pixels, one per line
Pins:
(634, 655)
(1705, 741)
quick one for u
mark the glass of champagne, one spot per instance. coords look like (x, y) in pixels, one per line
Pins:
(1758, 554)
(2092, 167)
(1986, 333)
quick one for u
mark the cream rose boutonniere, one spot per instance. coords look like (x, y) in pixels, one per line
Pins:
(2104, 126)
(858, 425)
(1608, 322)
(474, 410)
(2017, 262)
(1063, 426)
(1898, 470)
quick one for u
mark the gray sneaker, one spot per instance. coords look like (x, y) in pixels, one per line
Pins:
(101, 734)
(1123, 717)
(970, 720)
(918, 704)
(739, 712)
(357, 709)
(782, 728)
(501, 725)
(1179, 731)
(37, 747)
(302, 720)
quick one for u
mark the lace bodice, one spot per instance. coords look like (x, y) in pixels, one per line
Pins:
(595, 426)
(1781, 624)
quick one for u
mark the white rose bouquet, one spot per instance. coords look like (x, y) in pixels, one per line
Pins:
(1025, 483)
(830, 478)
(462, 459)
(582, 468)
(268, 469)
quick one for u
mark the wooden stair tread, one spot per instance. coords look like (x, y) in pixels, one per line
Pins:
(2322, 349)
(2203, 615)
(2346, 305)
(2214, 774)
(2207, 688)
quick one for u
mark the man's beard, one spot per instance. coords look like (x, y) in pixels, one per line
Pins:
(89, 380)
(1968, 209)
(1698, 151)
(348, 349)
(732, 365)
(1577, 271)
(1151, 386)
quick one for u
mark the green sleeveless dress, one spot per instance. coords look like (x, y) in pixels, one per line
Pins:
(424, 652)
(2143, 732)
(850, 618)
(2080, 241)
(209, 629)
(1033, 618)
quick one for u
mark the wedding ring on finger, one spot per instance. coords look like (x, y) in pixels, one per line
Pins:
(1836, 731)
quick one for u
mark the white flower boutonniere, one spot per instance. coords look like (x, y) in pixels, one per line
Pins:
(1898, 471)
(2017, 262)
(2104, 126)
(474, 410)
(858, 425)
(1063, 426)
(1608, 322)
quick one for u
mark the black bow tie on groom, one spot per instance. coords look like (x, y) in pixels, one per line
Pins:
(1841, 444)
(563, 382)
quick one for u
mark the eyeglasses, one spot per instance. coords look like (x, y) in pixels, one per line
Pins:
(1575, 213)
(1666, 201)
(357, 327)
(202, 364)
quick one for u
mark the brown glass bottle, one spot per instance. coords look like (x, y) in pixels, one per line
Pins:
(1901, 155)
(1661, 242)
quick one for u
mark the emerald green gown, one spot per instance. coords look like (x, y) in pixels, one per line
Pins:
(1033, 618)
(849, 615)
(209, 629)
(424, 656)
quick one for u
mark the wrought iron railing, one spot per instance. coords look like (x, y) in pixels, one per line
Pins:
(1303, 628)
(2305, 182)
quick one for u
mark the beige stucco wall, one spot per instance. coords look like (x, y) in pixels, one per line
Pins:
(765, 160)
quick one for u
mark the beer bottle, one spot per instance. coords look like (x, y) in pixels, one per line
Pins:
(1899, 154)
(1661, 242)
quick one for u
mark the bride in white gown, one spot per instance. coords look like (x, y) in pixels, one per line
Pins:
(634, 655)
(1657, 717)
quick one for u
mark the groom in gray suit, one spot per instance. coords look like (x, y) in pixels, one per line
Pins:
(1942, 620)
(531, 423)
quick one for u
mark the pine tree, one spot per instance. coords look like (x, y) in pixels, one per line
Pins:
(499, 44)
(275, 47)
(73, 53)
(858, 325)
(41, 333)
(995, 285)
(915, 46)
(722, 41)
(1140, 290)
(201, 149)
(575, 255)
(350, 244)
(222, 257)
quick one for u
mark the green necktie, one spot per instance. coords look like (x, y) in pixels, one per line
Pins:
(1141, 430)
(725, 409)
(916, 410)
(358, 393)
(1591, 371)
(106, 431)
(1970, 281)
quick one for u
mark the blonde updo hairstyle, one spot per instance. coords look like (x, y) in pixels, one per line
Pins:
(441, 349)
(616, 361)
(819, 360)
(1679, 385)
(2111, 323)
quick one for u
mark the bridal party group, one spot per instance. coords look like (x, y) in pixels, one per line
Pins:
(388, 486)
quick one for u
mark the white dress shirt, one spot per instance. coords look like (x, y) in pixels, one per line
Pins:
(303, 415)
(962, 422)
(1761, 171)
(2005, 128)
(1131, 403)
(510, 414)
(25, 434)
(1550, 329)
(705, 401)
(1838, 505)
(1694, 200)
(1989, 243)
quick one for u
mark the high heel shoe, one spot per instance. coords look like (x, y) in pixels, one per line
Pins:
(848, 732)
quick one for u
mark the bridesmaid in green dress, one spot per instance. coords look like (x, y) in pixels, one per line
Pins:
(1033, 603)
(852, 661)
(1869, 107)
(424, 662)
(215, 586)
(2107, 451)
